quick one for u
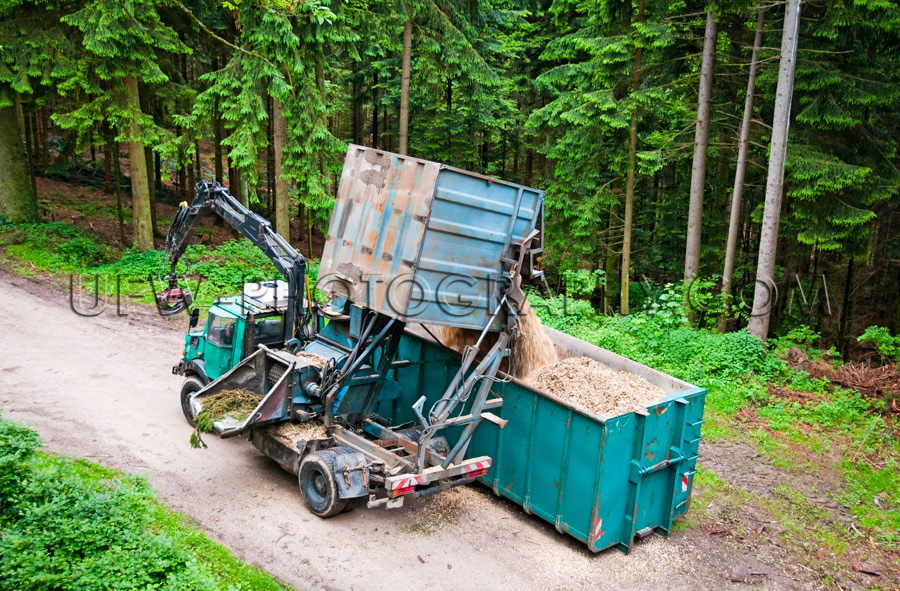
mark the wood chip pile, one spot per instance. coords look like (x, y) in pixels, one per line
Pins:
(290, 433)
(313, 358)
(237, 404)
(596, 387)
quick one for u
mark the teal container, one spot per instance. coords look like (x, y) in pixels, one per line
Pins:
(602, 480)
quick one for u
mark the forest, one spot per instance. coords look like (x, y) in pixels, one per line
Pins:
(721, 204)
(649, 125)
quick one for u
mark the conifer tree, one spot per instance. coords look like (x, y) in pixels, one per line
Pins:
(278, 54)
(121, 45)
(612, 77)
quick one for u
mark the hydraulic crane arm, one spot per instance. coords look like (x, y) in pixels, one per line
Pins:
(212, 197)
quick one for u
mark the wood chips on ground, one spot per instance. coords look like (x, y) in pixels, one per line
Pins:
(596, 387)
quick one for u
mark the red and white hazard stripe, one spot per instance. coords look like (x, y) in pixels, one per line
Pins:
(598, 531)
(477, 469)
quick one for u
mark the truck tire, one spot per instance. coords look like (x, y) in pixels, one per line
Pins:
(190, 385)
(317, 484)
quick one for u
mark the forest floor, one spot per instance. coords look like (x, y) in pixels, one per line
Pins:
(767, 511)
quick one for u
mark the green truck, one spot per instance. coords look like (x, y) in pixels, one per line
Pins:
(404, 415)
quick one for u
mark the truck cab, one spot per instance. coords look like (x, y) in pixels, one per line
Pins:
(235, 327)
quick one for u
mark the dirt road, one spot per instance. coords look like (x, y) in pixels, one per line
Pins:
(101, 388)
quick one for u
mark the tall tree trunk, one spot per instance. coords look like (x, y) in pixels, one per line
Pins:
(146, 107)
(107, 161)
(157, 174)
(217, 143)
(375, 110)
(35, 140)
(199, 162)
(29, 155)
(609, 263)
(141, 220)
(217, 132)
(189, 182)
(404, 86)
(17, 201)
(387, 137)
(270, 159)
(282, 203)
(734, 222)
(237, 190)
(630, 179)
(118, 190)
(846, 324)
(701, 143)
(42, 134)
(764, 293)
(151, 188)
(356, 120)
(246, 189)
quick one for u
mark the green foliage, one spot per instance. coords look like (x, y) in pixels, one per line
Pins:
(873, 495)
(888, 346)
(840, 162)
(57, 248)
(18, 446)
(282, 59)
(581, 282)
(590, 81)
(71, 524)
(801, 337)
(116, 40)
(667, 307)
(54, 247)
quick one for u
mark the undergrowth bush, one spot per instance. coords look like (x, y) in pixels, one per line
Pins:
(880, 337)
(60, 249)
(18, 445)
(55, 246)
(70, 524)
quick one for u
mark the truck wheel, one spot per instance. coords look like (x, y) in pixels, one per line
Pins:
(190, 385)
(317, 484)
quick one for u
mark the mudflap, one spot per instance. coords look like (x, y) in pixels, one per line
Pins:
(351, 472)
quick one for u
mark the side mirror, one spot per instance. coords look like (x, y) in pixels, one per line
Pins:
(195, 317)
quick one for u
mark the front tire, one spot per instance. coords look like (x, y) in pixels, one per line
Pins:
(190, 385)
(317, 484)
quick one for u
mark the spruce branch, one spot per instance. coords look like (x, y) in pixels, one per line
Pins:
(212, 34)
